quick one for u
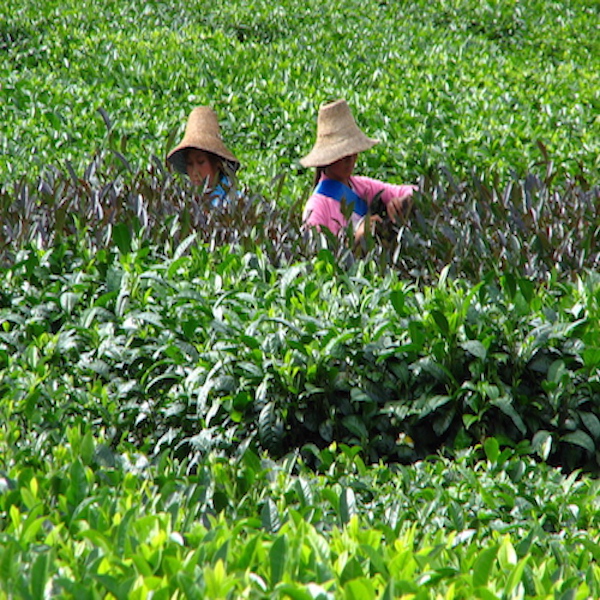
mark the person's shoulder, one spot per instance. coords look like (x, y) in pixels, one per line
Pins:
(364, 179)
(362, 182)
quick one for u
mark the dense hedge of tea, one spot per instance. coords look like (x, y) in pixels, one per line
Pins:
(195, 347)
(80, 519)
(217, 405)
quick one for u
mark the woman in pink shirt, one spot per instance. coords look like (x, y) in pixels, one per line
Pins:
(339, 140)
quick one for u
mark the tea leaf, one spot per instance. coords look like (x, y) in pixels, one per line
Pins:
(278, 558)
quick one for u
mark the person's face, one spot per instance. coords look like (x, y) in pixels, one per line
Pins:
(341, 169)
(199, 166)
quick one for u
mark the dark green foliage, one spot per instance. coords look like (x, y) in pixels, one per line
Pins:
(170, 326)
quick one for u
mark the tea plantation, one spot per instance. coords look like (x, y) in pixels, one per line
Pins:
(216, 404)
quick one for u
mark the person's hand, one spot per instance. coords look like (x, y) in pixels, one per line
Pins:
(398, 207)
(359, 234)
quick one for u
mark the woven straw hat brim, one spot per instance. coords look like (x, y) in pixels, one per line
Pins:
(324, 154)
(338, 136)
(202, 133)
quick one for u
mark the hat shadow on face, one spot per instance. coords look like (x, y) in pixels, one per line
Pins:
(202, 132)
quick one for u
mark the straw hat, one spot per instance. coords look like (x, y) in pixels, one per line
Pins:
(338, 136)
(203, 133)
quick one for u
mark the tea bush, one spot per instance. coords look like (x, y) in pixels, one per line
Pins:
(215, 404)
(535, 227)
(83, 520)
(176, 327)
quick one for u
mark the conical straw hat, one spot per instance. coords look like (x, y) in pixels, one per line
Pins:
(338, 136)
(203, 133)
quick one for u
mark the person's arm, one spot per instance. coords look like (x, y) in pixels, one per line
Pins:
(397, 198)
(359, 233)
(399, 204)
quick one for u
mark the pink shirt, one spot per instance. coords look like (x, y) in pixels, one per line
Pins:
(322, 211)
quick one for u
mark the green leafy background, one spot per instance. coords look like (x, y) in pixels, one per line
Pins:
(215, 405)
(474, 85)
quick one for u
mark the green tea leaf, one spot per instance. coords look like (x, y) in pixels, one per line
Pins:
(359, 589)
(505, 404)
(441, 321)
(515, 576)
(270, 516)
(347, 505)
(39, 575)
(122, 237)
(278, 559)
(305, 493)
(270, 430)
(542, 444)
(482, 568)
(397, 300)
(592, 423)
(492, 449)
(87, 448)
(476, 348)
(580, 438)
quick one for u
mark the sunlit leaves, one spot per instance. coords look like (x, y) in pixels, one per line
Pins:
(470, 85)
(139, 329)
(133, 532)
